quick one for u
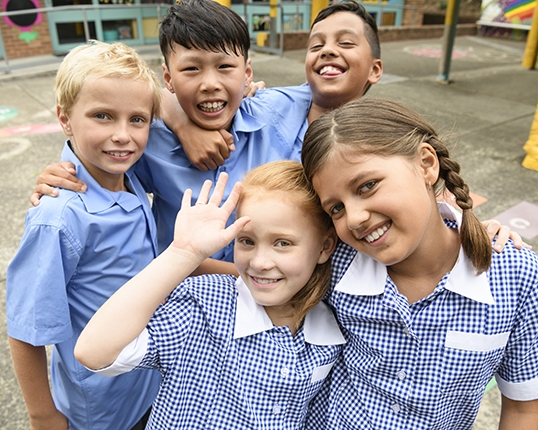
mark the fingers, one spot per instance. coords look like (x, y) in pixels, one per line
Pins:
(204, 193)
(229, 139)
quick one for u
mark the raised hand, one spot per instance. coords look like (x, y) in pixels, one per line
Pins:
(201, 229)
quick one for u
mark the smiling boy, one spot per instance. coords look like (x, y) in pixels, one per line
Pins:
(78, 249)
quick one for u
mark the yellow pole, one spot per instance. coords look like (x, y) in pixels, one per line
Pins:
(531, 160)
(227, 3)
(315, 7)
(529, 57)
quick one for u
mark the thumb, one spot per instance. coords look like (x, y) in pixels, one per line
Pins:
(228, 138)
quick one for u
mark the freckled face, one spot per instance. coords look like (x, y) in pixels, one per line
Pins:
(277, 250)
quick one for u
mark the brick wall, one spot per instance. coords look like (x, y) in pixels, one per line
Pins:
(413, 12)
(15, 47)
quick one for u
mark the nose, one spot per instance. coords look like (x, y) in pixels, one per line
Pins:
(121, 134)
(261, 260)
(356, 215)
(211, 81)
(328, 50)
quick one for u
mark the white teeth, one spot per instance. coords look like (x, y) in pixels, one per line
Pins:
(211, 107)
(264, 280)
(376, 234)
(119, 154)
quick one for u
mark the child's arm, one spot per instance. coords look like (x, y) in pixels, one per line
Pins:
(518, 415)
(205, 149)
(30, 364)
(60, 174)
(200, 231)
(211, 266)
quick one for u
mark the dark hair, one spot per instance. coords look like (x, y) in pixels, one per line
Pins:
(287, 177)
(386, 128)
(206, 25)
(370, 26)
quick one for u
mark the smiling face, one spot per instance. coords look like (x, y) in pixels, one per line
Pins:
(381, 206)
(108, 126)
(278, 250)
(339, 62)
(208, 85)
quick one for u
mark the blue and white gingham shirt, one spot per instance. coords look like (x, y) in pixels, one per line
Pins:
(426, 365)
(225, 365)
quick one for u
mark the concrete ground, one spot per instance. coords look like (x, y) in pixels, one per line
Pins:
(488, 111)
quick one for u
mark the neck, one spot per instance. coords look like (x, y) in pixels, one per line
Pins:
(419, 274)
(282, 316)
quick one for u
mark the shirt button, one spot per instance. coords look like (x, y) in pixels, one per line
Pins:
(285, 371)
(401, 375)
(396, 407)
(222, 169)
(406, 331)
(277, 409)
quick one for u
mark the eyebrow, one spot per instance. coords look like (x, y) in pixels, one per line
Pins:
(341, 32)
(352, 183)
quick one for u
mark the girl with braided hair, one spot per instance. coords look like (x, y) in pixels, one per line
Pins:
(430, 315)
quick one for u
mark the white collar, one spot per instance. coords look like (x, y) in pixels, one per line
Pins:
(366, 277)
(320, 326)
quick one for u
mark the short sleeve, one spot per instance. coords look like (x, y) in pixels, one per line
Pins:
(517, 376)
(36, 293)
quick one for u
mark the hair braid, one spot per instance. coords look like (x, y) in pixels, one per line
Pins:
(474, 238)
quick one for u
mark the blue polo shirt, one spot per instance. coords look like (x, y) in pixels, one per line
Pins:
(225, 365)
(426, 365)
(267, 127)
(76, 251)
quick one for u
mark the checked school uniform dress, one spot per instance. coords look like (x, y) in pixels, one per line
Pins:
(223, 362)
(426, 365)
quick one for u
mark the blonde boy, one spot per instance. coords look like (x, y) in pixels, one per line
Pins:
(78, 249)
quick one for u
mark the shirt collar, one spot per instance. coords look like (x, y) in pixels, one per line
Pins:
(320, 326)
(367, 277)
(96, 198)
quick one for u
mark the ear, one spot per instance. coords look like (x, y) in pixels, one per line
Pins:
(377, 71)
(64, 121)
(329, 246)
(249, 73)
(167, 78)
(429, 163)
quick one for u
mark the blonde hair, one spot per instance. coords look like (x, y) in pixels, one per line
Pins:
(102, 60)
(386, 128)
(288, 177)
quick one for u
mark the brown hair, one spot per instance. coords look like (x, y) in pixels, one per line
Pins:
(386, 128)
(288, 177)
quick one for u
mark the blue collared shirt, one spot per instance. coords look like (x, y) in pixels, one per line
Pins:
(225, 365)
(76, 251)
(266, 128)
(426, 365)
